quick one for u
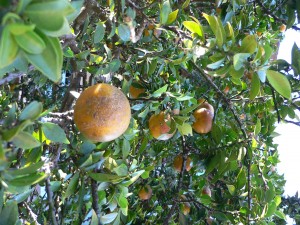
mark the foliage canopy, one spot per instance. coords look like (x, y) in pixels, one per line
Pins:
(176, 52)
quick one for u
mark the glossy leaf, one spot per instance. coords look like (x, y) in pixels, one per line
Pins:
(28, 179)
(99, 33)
(9, 213)
(249, 44)
(25, 140)
(193, 27)
(8, 48)
(54, 133)
(239, 59)
(72, 186)
(31, 111)
(255, 86)
(165, 11)
(49, 62)
(172, 16)
(124, 32)
(217, 28)
(30, 42)
(280, 83)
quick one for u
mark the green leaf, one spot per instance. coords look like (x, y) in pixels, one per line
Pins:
(114, 65)
(108, 218)
(8, 48)
(185, 4)
(193, 27)
(99, 33)
(30, 42)
(231, 189)
(239, 59)
(165, 11)
(49, 62)
(105, 177)
(230, 32)
(133, 178)
(217, 133)
(270, 193)
(123, 203)
(241, 179)
(121, 170)
(32, 168)
(160, 91)
(217, 28)
(28, 179)
(72, 186)
(172, 17)
(25, 140)
(54, 133)
(271, 209)
(236, 74)
(280, 83)
(10, 134)
(125, 148)
(31, 111)
(40, 12)
(257, 128)
(94, 220)
(22, 197)
(20, 28)
(9, 214)
(249, 44)
(185, 129)
(280, 214)
(296, 58)
(255, 86)
(124, 32)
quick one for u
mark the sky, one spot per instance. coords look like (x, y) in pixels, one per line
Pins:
(289, 141)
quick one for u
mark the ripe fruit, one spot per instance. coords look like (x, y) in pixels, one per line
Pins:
(159, 128)
(102, 113)
(135, 90)
(206, 191)
(178, 163)
(282, 28)
(203, 118)
(185, 206)
(145, 192)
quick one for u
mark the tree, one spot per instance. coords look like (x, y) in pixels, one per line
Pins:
(176, 52)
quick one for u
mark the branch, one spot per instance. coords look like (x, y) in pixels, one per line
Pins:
(95, 199)
(50, 202)
(292, 122)
(12, 76)
(275, 103)
(31, 213)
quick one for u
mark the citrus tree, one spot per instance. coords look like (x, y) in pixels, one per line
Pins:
(196, 145)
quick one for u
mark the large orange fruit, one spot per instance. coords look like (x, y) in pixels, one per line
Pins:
(102, 113)
(159, 128)
(178, 163)
(145, 192)
(203, 118)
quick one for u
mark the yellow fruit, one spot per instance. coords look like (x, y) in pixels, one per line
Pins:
(185, 206)
(102, 113)
(206, 191)
(203, 118)
(159, 128)
(135, 92)
(282, 28)
(145, 192)
(178, 163)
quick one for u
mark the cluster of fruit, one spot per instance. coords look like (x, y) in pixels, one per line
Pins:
(102, 113)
